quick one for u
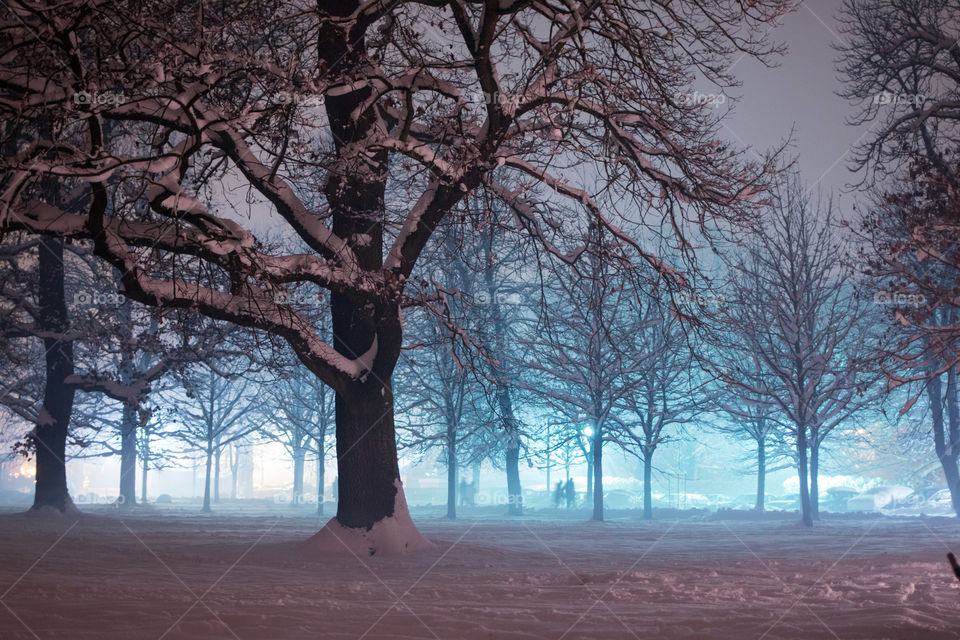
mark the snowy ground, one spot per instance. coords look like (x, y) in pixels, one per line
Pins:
(170, 573)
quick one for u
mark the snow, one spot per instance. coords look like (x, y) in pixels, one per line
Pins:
(394, 535)
(248, 574)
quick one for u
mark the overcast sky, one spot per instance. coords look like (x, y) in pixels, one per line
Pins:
(802, 93)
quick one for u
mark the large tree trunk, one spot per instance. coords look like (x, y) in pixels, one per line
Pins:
(451, 473)
(805, 512)
(761, 474)
(50, 435)
(128, 457)
(206, 481)
(647, 483)
(370, 491)
(598, 475)
(298, 459)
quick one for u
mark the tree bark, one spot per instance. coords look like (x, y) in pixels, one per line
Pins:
(50, 435)
(128, 457)
(761, 475)
(369, 476)
(805, 512)
(597, 449)
(647, 487)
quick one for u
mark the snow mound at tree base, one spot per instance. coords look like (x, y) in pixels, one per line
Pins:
(49, 511)
(390, 536)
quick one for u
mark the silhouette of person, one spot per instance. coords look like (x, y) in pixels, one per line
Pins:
(570, 493)
(558, 494)
(463, 492)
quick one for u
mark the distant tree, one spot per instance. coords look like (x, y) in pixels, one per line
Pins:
(900, 64)
(299, 414)
(216, 410)
(666, 391)
(793, 334)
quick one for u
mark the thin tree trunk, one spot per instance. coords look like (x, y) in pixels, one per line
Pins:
(451, 473)
(50, 435)
(321, 479)
(598, 475)
(476, 478)
(128, 457)
(814, 477)
(145, 452)
(761, 474)
(805, 512)
(647, 483)
(589, 497)
(206, 482)
(216, 475)
(298, 459)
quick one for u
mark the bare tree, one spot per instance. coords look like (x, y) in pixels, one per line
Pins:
(793, 334)
(216, 413)
(372, 105)
(667, 390)
(901, 65)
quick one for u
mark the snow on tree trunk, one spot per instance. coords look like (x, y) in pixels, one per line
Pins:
(50, 435)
